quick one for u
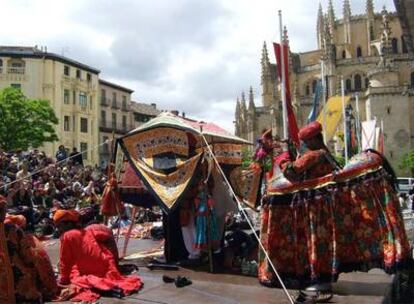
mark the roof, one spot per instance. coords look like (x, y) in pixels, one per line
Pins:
(167, 119)
(34, 52)
(145, 108)
(115, 86)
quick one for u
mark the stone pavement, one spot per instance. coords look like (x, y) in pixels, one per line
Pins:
(362, 288)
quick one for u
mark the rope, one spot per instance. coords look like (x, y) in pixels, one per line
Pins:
(239, 205)
(56, 163)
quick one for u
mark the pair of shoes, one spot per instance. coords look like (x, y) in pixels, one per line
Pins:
(182, 282)
(167, 279)
(179, 281)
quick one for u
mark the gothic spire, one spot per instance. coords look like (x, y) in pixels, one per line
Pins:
(331, 15)
(265, 57)
(243, 103)
(237, 107)
(319, 22)
(251, 100)
(347, 10)
(385, 44)
(370, 8)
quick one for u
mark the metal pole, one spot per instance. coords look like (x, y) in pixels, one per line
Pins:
(358, 122)
(344, 118)
(283, 88)
(323, 100)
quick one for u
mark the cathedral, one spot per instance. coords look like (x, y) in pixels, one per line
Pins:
(370, 52)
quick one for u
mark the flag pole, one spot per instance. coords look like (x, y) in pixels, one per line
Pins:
(358, 122)
(323, 99)
(344, 118)
(283, 86)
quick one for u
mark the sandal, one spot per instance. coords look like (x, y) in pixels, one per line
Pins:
(316, 296)
(182, 282)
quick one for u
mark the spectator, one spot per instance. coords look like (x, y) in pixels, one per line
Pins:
(76, 157)
(61, 154)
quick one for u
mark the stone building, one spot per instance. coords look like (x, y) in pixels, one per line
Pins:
(115, 114)
(71, 88)
(373, 55)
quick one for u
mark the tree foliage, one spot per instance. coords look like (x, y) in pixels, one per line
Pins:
(246, 157)
(408, 161)
(25, 123)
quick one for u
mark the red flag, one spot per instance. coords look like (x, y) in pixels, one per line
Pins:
(291, 119)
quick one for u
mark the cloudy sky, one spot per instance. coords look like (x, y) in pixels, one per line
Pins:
(195, 56)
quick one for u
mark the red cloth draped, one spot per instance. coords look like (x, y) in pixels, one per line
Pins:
(291, 119)
(111, 203)
(88, 261)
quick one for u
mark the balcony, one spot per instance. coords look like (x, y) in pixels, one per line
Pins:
(105, 101)
(107, 126)
(125, 108)
(16, 70)
(114, 105)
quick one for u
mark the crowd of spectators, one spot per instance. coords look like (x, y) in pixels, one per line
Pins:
(35, 184)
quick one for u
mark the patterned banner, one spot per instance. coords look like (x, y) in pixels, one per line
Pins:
(246, 184)
(168, 187)
(156, 141)
(229, 154)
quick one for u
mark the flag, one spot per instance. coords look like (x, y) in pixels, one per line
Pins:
(315, 106)
(291, 119)
(381, 140)
(368, 130)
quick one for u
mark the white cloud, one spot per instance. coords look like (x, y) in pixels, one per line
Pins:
(192, 55)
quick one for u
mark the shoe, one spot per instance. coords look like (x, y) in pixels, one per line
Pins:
(182, 282)
(167, 279)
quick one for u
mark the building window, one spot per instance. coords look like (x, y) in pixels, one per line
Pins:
(84, 125)
(314, 84)
(343, 54)
(84, 149)
(367, 83)
(16, 86)
(359, 51)
(389, 110)
(66, 96)
(412, 80)
(103, 118)
(114, 100)
(348, 86)
(1, 66)
(394, 43)
(307, 90)
(334, 51)
(78, 74)
(16, 66)
(404, 45)
(74, 96)
(105, 146)
(124, 122)
(371, 32)
(124, 102)
(66, 123)
(114, 121)
(88, 77)
(83, 100)
(357, 82)
(66, 70)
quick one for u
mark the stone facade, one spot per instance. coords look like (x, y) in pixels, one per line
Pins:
(70, 87)
(369, 52)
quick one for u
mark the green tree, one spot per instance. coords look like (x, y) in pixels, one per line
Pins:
(246, 157)
(25, 123)
(407, 162)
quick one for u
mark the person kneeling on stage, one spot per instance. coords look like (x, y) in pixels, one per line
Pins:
(89, 259)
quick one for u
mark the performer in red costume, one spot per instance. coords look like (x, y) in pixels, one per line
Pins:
(89, 259)
(314, 163)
